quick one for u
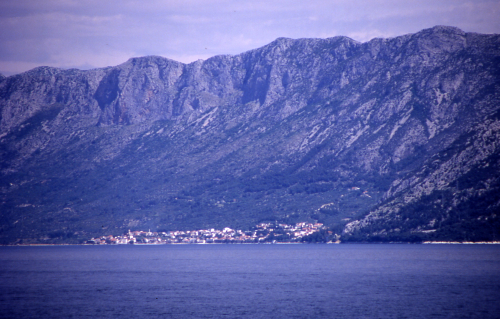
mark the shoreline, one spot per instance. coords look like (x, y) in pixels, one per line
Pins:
(462, 243)
(284, 243)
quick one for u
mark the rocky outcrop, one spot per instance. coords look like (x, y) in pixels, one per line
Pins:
(370, 130)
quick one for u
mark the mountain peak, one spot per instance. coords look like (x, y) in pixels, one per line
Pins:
(444, 29)
(156, 59)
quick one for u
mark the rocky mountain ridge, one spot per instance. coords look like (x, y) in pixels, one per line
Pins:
(388, 140)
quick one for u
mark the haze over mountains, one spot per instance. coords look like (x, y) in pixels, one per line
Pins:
(390, 140)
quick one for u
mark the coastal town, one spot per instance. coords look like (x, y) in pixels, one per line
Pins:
(261, 233)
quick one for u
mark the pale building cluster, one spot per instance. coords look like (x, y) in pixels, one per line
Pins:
(262, 233)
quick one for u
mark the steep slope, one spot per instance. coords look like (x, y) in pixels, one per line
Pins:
(393, 139)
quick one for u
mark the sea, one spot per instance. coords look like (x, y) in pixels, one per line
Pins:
(250, 281)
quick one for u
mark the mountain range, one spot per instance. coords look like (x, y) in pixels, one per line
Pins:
(392, 140)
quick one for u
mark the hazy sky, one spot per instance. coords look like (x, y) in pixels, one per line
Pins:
(96, 33)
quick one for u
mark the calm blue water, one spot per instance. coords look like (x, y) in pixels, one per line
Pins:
(251, 281)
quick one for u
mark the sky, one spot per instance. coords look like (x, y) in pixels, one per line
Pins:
(87, 34)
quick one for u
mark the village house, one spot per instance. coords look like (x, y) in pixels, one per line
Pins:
(264, 232)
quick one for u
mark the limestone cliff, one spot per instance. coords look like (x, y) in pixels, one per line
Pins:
(392, 139)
